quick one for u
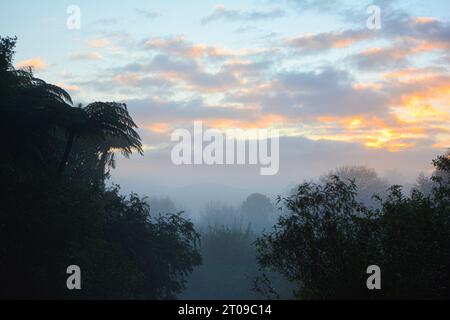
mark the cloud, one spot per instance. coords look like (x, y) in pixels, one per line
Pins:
(137, 80)
(416, 112)
(400, 24)
(394, 114)
(381, 58)
(420, 95)
(34, 63)
(224, 14)
(395, 56)
(406, 37)
(99, 43)
(68, 87)
(184, 72)
(314, 4)
(152, 111)
(248, 68)
(179, 46)
(402, 106)
(305, 95)
(328, 40)
(148, 14)
(86, 56)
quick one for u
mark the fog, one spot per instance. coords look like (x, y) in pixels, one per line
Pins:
(230, 218)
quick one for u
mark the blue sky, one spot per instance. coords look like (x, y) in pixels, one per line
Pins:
(341, 94)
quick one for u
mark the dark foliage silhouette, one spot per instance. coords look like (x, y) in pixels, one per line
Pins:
(366, 181)
(328, 239)
(55, 210)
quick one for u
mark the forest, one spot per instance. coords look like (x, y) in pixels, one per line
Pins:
(57, 208)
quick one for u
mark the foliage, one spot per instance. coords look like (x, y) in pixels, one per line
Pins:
(366, 181)
(327, 240)
(55, 210)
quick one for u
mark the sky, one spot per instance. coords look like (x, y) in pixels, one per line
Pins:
(339, 92)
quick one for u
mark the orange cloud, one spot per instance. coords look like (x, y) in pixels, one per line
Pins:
(368, 85)
(390, 139)
(372, 132)
(402, 49)
(343, 43)
(428, 103)
(263, 122)
(35, 64)
(424, 20)
(99, 43)
(68, 87)
(328, 40)
(181, 47)
(411, 74)
(160, 128)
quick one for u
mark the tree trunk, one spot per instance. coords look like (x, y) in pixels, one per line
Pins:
(100, 180)
(66, 155)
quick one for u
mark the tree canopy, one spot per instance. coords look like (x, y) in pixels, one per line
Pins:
(327, 240)
(55, 208)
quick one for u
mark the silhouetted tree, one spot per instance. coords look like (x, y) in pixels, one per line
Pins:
(258, 211)
(326, 241)
(107, 122)
(47, 224)
(366, 181)
(425, 184)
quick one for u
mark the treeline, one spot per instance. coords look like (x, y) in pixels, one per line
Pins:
(326, 235)
(326, 239)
